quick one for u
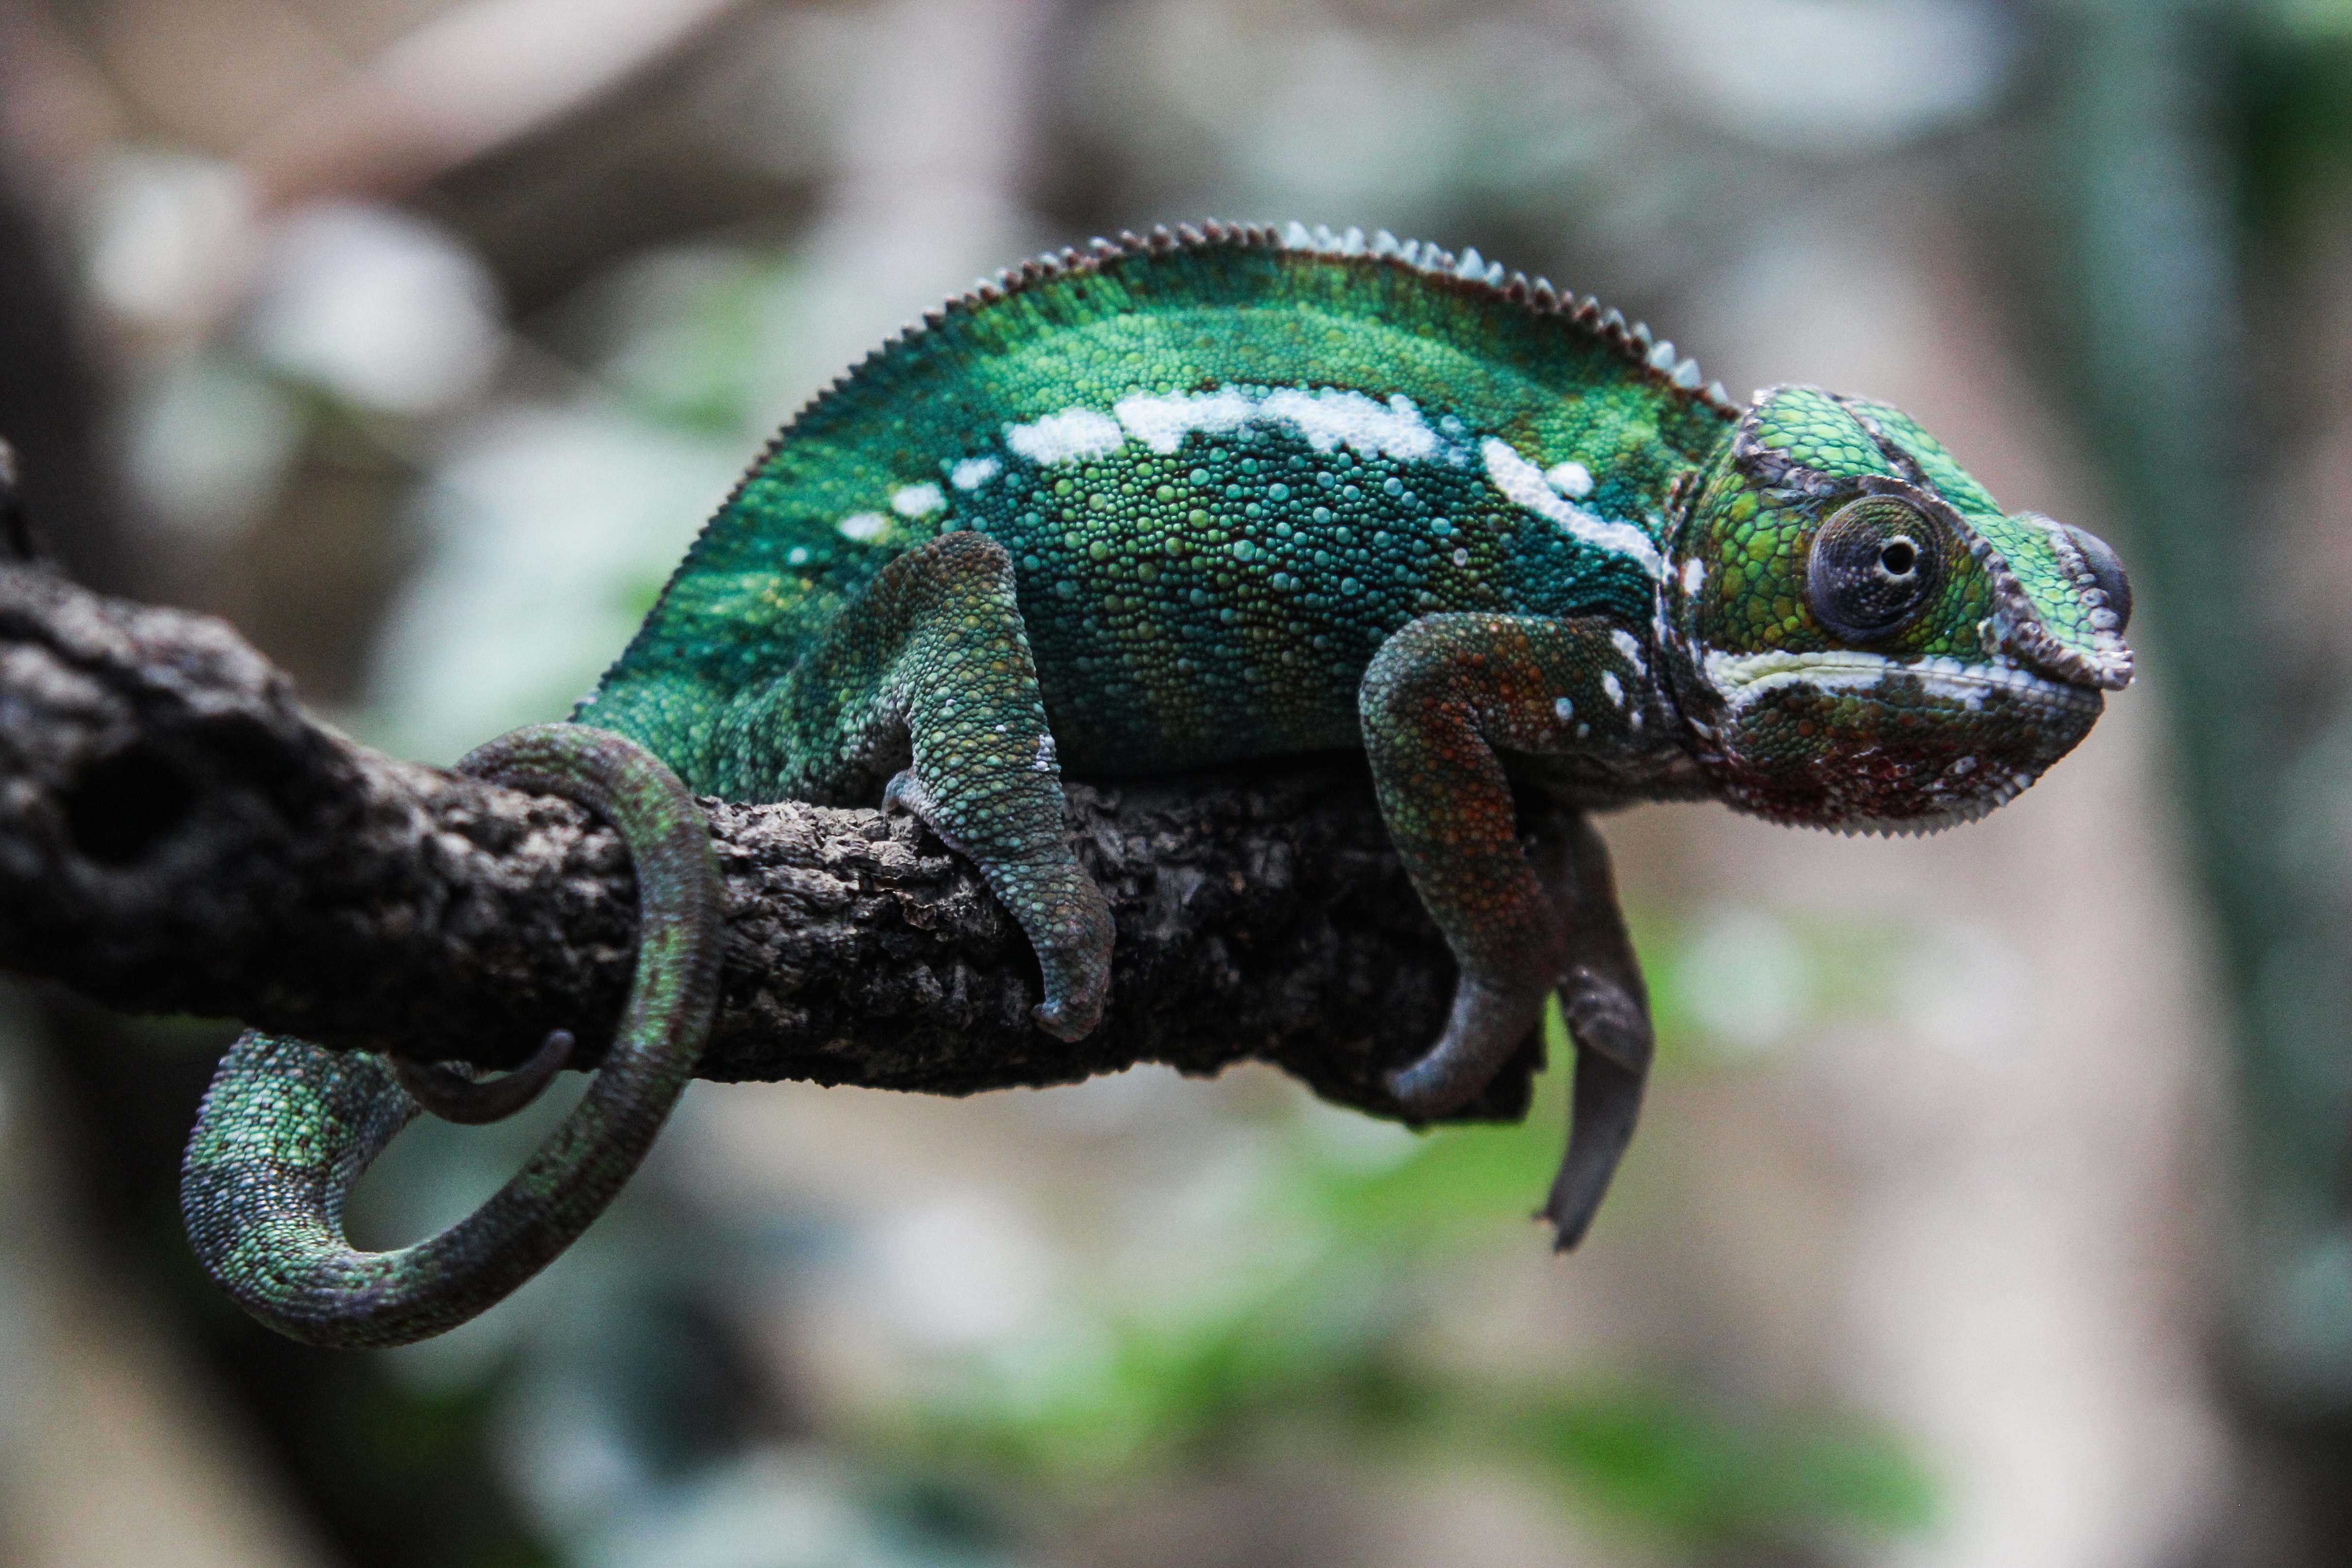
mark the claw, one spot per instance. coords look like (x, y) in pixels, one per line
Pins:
(1613, 1045)
(1067, 1020)
(1606, 1103)
(453, 1097)
(908, 794)
(1076, 967)
(1485, 1026)
(1603, 1016)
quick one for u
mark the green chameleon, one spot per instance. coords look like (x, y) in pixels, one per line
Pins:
(1223, 494)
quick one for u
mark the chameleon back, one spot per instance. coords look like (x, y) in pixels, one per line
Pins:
(1226, 466)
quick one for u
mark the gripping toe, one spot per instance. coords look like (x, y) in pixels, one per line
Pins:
(1485, 1026)
(1604, 1106)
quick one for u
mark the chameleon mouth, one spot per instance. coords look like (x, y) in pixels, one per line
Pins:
(1744, 679)
(1900, 782)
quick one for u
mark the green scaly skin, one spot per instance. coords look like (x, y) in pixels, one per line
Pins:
(287, 1127)
(1213, 495)
(1230, 494)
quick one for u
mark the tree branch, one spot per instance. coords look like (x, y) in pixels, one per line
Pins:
(177, 834)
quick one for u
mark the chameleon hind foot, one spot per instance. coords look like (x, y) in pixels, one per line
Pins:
(931, 667)
(1073, 948)
(1439, 702)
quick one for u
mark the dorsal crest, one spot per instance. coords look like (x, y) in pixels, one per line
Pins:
(1644, 353)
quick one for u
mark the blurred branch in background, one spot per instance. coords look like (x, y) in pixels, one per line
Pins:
(469, 81)
(48, 407)
(152, 1408)
(2182, 120)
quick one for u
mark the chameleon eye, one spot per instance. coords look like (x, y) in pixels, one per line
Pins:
(1876, 563)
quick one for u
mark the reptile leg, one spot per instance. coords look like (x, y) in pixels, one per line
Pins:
(932, 667)
(1438, 699)
(1607, 1007)
(287, 1127)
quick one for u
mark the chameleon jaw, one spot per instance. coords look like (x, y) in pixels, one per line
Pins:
(1774, 715)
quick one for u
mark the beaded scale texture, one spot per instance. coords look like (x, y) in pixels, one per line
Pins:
(1238, 492)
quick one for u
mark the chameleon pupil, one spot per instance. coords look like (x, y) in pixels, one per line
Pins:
(1897, 559)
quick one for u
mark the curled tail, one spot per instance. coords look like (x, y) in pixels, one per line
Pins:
(287, 1127)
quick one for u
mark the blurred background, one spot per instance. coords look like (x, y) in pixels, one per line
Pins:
(1994, 1204)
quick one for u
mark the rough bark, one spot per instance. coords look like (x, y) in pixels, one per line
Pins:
(177, 834)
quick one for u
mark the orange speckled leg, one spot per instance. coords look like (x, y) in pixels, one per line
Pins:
(1437, 701)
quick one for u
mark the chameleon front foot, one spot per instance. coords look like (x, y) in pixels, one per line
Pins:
(1607, 1015)
(1604, 1107)
(1610, 1023)
(1607, 1010)
(1488, 1023)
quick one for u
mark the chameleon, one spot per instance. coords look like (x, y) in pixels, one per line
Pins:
(1233, 492)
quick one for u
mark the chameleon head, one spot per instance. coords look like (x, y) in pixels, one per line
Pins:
(1861, 638)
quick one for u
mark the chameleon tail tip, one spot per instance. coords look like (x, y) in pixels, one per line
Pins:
(453, 1097)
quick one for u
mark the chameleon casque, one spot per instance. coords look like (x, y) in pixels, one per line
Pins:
(1222, 494)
